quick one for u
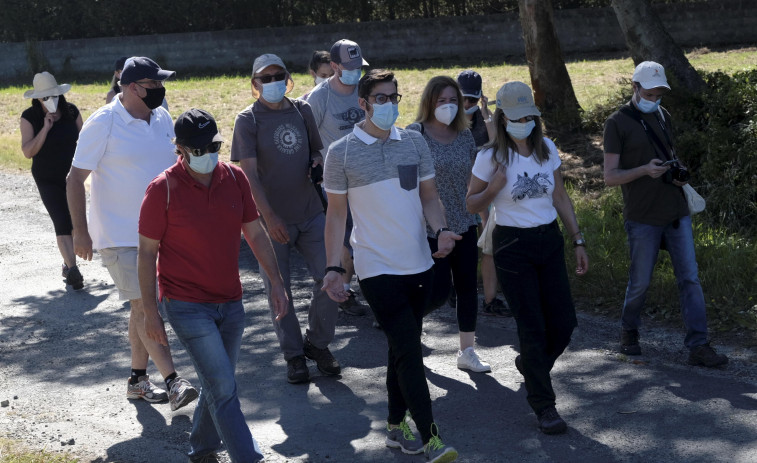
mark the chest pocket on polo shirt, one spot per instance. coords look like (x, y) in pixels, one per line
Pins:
(408, 176)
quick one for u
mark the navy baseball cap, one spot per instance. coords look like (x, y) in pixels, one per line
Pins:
(470, 83)
(196, 128)
(140, 67)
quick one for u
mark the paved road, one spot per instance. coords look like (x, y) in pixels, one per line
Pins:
(64, 361)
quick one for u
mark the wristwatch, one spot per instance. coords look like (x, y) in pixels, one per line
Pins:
(579, 242)
(439, 232)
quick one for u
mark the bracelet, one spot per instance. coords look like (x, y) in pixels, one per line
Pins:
(336, 269)
(439, 232)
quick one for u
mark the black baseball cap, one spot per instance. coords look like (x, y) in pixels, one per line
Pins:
(470, 83)
(141, 67)
(196, 128)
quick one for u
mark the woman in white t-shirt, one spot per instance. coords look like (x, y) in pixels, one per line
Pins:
(519, 171)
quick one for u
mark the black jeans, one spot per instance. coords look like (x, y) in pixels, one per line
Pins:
(398, 302)
(530, 265)
(458, 268)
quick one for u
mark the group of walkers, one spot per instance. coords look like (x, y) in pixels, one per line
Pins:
(402, 210)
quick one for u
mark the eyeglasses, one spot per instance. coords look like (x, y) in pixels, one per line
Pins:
(48, 97)
(213, 147)
(382, 98)
(278, 77)
(471, 100)
(524, 119)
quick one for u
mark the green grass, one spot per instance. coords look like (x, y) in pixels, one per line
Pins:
(11, 452)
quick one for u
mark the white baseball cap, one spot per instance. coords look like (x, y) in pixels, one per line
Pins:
(650, 75)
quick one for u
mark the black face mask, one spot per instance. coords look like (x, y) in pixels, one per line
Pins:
(154, 97)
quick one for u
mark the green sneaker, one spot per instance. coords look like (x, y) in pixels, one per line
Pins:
(436, 451)
(402, 437)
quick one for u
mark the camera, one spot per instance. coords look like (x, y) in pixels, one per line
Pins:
(676, 172)
(316, 174)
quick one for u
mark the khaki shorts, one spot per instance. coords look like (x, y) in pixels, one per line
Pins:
(485, 240)
(122, 265)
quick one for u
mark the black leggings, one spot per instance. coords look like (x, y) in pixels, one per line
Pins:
(458, 269)
(53, 194)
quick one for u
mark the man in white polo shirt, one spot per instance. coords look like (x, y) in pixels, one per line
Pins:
(387, 175)
(124, 145)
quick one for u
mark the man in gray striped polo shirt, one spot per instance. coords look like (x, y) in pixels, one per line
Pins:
(387, 175)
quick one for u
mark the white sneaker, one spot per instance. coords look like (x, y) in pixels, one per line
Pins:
(468, 360)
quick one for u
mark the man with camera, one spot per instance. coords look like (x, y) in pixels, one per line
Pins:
(640, 157)
(277, 143)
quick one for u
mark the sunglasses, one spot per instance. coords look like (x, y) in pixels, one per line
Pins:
(48, 97)
(214, 147)
(470, 100)
(527, 119)
(279, 76)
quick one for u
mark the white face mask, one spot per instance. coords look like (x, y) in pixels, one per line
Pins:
(520, 130)
(446, 113)
(320, 80)
(51, 104)
(203, 164)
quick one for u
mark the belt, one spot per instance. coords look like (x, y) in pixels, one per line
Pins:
(539, 230)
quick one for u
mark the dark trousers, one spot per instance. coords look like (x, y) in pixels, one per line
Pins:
(531, 270)
(458, 269)
(398, 302)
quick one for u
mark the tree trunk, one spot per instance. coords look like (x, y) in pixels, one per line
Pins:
(648, 40)
(553, 91)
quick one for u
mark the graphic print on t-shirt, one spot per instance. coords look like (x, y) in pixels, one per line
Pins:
(536, 187)
(351, 116)
(287, 138)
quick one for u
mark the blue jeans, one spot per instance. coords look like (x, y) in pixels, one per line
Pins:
(644, 243)
(212, 335)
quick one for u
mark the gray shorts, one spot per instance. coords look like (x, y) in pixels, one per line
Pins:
(121, 263)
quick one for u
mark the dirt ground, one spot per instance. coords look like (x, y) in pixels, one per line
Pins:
(64, 361)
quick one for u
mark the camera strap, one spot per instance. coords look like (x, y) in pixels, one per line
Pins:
(635, 114)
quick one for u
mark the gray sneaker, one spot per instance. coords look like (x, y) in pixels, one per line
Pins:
(145, 390)
(436, 451)
(352, 307)
(181, 393)
(402, 437)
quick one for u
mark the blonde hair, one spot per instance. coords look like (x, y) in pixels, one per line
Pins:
(503, 142)
(431, 93)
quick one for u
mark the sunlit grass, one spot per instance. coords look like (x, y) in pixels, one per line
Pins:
(13, 452)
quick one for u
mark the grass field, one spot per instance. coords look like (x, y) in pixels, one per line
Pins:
(594, 80)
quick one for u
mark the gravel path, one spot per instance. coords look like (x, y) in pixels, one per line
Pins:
(64, 361)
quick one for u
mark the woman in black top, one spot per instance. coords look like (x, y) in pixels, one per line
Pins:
(49, 131)
(115, 89)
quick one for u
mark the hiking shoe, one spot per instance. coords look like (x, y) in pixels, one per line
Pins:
(496, 308)
(629, 342)
(145, 390)
(352, 307)
(64, 270)
(73, 277)
(436, 451)
(705, 355)
(402, 437)
(297, 370)
(181, 393)
(207, 458)
(550, 422)
(325, 361)
(468, 360)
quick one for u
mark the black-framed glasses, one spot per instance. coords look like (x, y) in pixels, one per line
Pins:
(45, 98)
(382, 98)
(213, 147)
(278, 77)
(470, 100)
(527, 119)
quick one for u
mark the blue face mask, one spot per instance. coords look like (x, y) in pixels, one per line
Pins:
(350, 77)
(274, 92)
(384, 115)
(647, 106)
(471, 110)
(203, 164)
(520, 130)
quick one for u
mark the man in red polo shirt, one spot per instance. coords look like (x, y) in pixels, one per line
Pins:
(190, 221)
